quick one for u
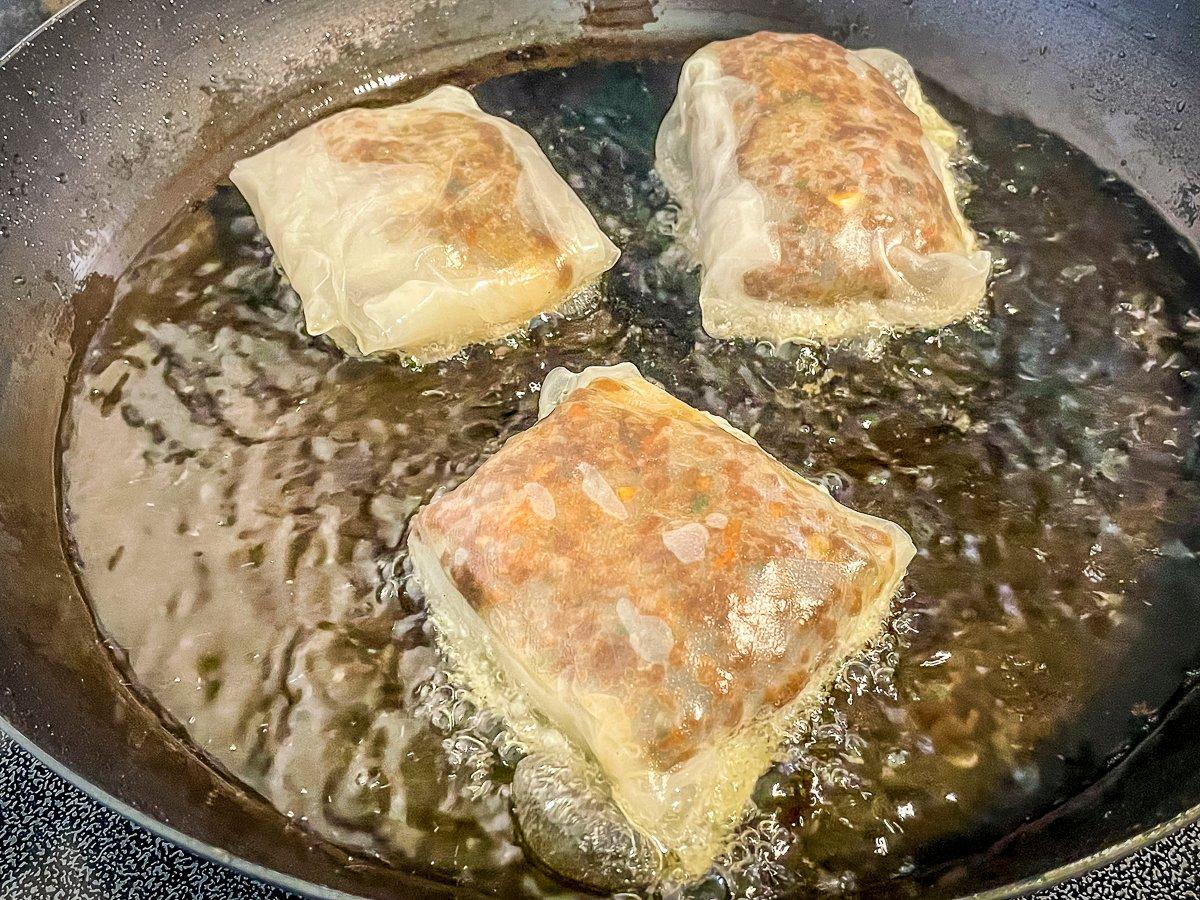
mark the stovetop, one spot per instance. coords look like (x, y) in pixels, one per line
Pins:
(56, 843)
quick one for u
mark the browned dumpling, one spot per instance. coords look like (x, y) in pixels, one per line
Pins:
(421, 228)
(815, 192)
(656, 587)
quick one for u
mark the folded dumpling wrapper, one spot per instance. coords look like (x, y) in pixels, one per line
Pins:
(816, 192)
(643, 580)
(423, 227)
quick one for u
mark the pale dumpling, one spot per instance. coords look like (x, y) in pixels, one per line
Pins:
(421, 228)
(641, 581)
(816, 193)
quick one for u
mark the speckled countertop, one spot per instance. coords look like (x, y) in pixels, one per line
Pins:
(55, 842)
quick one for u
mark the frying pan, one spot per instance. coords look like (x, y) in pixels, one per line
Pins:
(115, 115)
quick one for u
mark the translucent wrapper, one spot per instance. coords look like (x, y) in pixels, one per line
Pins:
(642, 580)
(816, 192)
(423, 227)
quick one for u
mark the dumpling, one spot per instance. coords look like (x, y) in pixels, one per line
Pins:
(423, 227)
(645, 582)
(815, 192)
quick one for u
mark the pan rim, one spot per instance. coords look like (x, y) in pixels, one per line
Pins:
(168, 833)
(1107, 855)
(20, 45)
(1080, 866)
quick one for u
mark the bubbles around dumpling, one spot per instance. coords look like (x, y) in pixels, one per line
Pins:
(665, 600)
(421, 228)
(816, 192)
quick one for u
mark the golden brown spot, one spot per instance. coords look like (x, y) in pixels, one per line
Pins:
(783, 692)
(608, 385)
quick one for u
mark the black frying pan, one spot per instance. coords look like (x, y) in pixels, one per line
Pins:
(115, 114)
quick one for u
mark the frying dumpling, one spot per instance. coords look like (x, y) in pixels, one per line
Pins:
(644, 581)
(423, 227)
(816, 192)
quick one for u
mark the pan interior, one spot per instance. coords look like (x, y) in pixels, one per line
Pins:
(236, 494)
